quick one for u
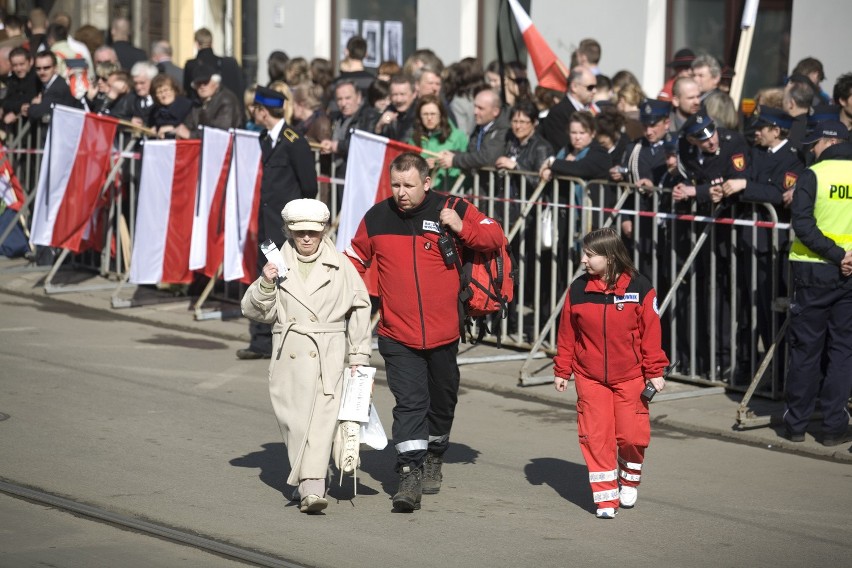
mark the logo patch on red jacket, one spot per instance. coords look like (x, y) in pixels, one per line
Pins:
(738, 161)
(790, 180)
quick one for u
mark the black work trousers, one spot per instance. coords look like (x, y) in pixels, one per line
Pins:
(821, 319)
(425, 384)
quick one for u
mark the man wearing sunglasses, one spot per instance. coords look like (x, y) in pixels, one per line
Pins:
(582, 84)
(55, 89)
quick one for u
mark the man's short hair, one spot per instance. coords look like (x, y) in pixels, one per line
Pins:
(13, 22)
(145, 68)
(357, 47)
(679, 83)
(591, 49)
(344, 82)
(409, 160)
(120, 27)
(38, 18)
(20, 51)
(402, 79)
(842, 88)
(46, 53)
(712, 64)
(801, 91)
(57, 32)
(203, 37)
(161, 47)
(575, 75)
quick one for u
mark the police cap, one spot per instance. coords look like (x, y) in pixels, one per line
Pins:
(269, 97)
(699, 126)
(652, 111)
(768, 116)
(827, 129)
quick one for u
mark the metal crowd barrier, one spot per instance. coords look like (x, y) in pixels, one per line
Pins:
(722, 268)
(697, 264)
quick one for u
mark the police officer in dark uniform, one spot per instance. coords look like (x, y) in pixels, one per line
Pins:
(645, 163)
(821, 310)
(708, 156)
(288, 173)
(776, 166)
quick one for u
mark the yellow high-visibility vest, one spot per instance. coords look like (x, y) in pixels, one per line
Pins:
(832, 209)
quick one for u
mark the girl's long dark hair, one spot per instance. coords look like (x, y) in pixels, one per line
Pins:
(607, 243)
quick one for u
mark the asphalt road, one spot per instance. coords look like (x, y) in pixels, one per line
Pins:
(169, 427)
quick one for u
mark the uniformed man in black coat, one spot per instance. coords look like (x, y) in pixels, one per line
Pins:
(645, 165)
(288, 174)
(775, 167)
(708, 156)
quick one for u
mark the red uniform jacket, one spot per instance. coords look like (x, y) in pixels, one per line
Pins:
(419, 292)
(610, 336)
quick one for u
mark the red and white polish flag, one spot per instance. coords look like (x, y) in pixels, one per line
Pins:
(208, 231)
(242, 198)
(167, 188)
(549, 70)
(74, 167)
(10, 188)
(367, 182)
(367, 179)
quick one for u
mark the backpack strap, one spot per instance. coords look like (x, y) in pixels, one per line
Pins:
(464, 283)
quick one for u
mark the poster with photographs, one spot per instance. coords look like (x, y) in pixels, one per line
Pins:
(348, 28)
(371, 32)
(393, 42)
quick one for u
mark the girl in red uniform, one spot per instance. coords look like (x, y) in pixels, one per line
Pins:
(609, 339)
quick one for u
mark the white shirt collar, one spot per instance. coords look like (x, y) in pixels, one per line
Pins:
(777, 147)
(276, 130)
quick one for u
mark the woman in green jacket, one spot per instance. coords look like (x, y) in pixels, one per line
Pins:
(433, 132)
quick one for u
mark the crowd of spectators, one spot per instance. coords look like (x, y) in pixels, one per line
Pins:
(465, 116)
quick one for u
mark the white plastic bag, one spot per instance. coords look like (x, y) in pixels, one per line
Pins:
(372, 432)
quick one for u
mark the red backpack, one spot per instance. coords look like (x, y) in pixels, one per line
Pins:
(486, 287)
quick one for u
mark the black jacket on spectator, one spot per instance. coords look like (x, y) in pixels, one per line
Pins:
(20, 91)
(128, 54)
(227, 67)
(55, 92)
(171, 115)
(484, 152)
(403, 126)
(121, 108)
(222, 110)
(142, 107)
(594, 165)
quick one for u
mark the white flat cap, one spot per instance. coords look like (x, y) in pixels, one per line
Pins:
(305, 215)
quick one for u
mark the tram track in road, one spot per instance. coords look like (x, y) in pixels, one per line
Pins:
(148, 528)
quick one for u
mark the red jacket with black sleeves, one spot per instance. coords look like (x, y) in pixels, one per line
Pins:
(610, 335)
(419, 293)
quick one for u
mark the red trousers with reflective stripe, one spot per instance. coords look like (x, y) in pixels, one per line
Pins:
(614, 430)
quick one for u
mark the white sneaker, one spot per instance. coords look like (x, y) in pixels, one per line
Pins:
(606, 513)
(628, 496)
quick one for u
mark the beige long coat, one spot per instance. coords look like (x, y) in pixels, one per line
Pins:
(311, 343)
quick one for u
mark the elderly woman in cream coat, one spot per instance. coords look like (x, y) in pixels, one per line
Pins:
(320, 312)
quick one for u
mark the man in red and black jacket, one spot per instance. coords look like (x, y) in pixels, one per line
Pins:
(419, 329)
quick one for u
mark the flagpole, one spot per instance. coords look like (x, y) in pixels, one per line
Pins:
(410, 147)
